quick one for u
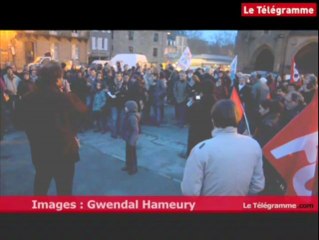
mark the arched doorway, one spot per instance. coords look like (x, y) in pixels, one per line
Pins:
(307, 59)
(29, 51)
(264, 60)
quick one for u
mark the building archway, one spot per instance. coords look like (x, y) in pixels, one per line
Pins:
(29, 51)
(307, 59)
(264, 60)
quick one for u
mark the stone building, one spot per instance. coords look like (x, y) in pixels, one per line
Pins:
(100, 45)
(149, 43)
(23, 47)
(274, 50)
(175, 47)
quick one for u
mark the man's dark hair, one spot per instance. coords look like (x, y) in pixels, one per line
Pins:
(266, 103)
(49, 74)
(63, 65)
(225, 114)
(8, 67)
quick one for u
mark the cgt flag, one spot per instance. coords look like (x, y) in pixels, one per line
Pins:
(294, 73)
(185, 61)
(294, 152)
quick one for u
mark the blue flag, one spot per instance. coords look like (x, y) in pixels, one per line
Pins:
(233, 69)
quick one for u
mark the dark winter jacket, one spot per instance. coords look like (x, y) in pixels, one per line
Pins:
(158, 93)
(200, 124)
(25, 87)
(288, 115)
(80, 88)
(120, 92)
(48, 117)
(267, 128)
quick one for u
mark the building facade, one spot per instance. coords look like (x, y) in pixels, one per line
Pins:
(100, 45)
(274, 51)
(23, 47)
(175, 47)
(149, 43)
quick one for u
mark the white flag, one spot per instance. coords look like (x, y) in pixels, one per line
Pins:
(185, 61)
(294, 73)
(233, 69)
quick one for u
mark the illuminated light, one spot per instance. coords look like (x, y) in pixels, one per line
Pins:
(6, 46)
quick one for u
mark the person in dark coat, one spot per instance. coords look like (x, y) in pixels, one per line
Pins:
(270, 112)
(3, 99)
(118, 95)
(221, 90)
(294, 104)
(244, 92)
(158, 93)
(26, 86)
(80, 88)
(268, 126)
(47, 116)
(200, 125)
(309, 88)
(130, 135)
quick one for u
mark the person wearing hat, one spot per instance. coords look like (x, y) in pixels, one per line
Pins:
(259, 93)
(26, 86)
(309, 88)
(130, 135)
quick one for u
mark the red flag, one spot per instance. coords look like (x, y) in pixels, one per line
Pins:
(235, 98)
(293, 151)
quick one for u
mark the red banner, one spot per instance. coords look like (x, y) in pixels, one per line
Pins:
(279, 9)
(294, 151)
(97, 204)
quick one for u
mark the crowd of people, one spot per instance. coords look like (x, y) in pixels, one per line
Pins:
(269, 102)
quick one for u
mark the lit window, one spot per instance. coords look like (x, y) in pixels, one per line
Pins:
(75, 52)
(54, 49)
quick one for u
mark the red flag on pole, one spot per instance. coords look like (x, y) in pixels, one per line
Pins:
(236, 99)
(293, 151)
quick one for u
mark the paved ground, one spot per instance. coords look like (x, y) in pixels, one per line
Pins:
(159, 153)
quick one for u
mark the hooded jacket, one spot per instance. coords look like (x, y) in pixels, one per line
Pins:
(131, 123)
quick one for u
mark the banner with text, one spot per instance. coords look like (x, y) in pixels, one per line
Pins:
(152, 204)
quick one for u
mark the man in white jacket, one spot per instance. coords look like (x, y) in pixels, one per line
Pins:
(229, 164)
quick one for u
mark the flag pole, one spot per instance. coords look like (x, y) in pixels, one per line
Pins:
(247, 123)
